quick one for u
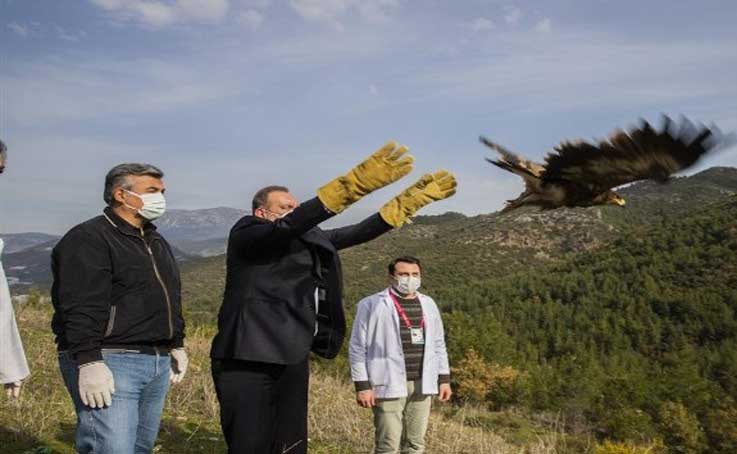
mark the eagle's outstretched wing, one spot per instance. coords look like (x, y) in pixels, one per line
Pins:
(642, 153)
(513, 159)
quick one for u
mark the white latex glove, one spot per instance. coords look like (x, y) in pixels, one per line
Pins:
(96, 385)
(179, 363)
(12, 390)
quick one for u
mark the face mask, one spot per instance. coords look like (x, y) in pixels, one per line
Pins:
(154, 205)
(407, 285)
(278, 215)
(284, 214)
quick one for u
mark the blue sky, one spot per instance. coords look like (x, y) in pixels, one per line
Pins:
(227, 96)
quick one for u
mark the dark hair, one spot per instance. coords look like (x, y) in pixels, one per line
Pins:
(118, 177)
(3, 148)
(403, 259)
(262, 195)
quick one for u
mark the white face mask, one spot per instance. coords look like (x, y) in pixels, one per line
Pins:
(283, 215)
(277, 215)
(407, 285)
(154, 205)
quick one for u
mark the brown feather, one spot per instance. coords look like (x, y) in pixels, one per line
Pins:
(642, 153)
(583, 174)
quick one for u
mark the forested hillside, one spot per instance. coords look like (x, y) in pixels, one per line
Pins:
(633, 339)
(621, 321)
(600, 330)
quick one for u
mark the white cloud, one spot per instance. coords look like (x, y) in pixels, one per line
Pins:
(255, 4)
(251, 18)
(512, 14)
(544, 25)
(332, 11)
(567, 73)
(159, 13)
(481, 24)
(377, 11)
(18, 29)
(204, 10)
(68, 35)
(323, 47)
(320, 10)
(54, 90)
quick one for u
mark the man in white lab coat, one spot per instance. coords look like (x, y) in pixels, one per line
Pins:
(398, 359)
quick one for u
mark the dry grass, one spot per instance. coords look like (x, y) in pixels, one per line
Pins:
(338, 425)
(44, 417)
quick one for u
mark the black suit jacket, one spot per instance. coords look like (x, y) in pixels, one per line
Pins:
(273, 271)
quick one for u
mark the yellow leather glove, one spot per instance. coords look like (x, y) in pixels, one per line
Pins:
(430, 188)
(385, 166)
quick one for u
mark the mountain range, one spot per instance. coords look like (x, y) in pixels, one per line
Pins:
(192, 234)
(494, 242)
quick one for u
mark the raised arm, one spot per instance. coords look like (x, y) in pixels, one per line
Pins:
(254, 234)
(385, 166)
(351, 235)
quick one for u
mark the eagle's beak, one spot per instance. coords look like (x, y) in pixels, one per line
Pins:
(621, 202)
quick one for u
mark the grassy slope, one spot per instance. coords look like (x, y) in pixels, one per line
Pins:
(44, 417)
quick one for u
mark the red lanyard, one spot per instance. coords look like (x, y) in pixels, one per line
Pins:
(402, 314)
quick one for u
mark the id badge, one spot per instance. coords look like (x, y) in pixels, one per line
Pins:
(418, 337)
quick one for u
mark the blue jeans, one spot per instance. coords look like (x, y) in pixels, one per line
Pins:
(131, 423)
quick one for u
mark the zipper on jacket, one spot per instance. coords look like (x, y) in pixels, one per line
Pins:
(111, 321)
(163, 287)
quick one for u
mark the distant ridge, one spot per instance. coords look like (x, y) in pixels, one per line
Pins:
(498, 242)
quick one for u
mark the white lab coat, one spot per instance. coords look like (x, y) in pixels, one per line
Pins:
(13, 365)
(375, 349)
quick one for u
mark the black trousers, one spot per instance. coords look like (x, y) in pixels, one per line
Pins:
(263, 407)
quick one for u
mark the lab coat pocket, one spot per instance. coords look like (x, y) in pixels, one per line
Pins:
(377, 371)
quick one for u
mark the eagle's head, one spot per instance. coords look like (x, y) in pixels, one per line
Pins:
(612, 198)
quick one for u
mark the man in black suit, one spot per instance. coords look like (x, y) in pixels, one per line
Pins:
(283, 297)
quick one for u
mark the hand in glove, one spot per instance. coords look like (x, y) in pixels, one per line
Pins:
(12, 390)
(179, 363)
(430, 188)
(96, 385)
(385, 166)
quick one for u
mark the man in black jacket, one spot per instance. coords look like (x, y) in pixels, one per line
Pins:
(283, 297)
(118, 316)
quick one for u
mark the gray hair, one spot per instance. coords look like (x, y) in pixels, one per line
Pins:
(117, 177)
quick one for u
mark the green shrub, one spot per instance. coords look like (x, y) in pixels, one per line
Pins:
(721, 430)
(681, 430)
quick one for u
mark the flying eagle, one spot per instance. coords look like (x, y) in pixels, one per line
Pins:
(582, 174)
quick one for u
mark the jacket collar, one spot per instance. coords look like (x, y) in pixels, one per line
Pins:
(124, 227)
